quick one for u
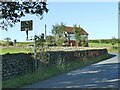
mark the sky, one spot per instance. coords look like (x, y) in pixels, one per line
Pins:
(99, 19)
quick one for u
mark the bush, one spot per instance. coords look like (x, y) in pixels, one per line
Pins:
(50, 40)
(115, 47)
(93, 41)
(10, 43)
(60, 42)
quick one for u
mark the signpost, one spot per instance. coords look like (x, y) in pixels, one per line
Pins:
(28, 26)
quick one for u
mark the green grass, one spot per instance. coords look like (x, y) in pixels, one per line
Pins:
(108, 46)
(31, 78)
(19, 48)
(15, 50)
(101, 44)
(24, 43)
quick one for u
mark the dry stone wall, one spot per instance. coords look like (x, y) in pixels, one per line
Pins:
(20, 64)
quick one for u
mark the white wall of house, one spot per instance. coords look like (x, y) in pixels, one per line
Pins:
(72, 37)
(82, 36)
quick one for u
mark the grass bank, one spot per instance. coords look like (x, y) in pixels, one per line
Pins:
(12, 49)
(31, 78)
(108, 46)
(24, 43)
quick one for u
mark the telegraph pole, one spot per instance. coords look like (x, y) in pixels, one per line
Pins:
(45, 31)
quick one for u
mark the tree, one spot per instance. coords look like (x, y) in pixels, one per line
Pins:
(50, 40)
(7, 39)
(113, 41)
(77, 33)
(58, 31)
(40, 40)
(8, 42)
(11, 12)
(84, 42)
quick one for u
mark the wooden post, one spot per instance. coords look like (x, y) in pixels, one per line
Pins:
(35, 52)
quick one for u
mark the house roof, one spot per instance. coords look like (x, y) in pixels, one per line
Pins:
(70, 30)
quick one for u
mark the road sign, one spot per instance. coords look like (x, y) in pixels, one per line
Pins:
(27, 25)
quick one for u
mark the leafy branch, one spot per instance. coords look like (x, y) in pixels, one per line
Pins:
(11, 12)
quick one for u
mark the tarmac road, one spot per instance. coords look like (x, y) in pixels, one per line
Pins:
(100, 75)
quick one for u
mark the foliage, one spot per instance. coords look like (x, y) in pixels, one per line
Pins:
(77, 33)
(8, 42)
(7, 39)
(41, 48)
(60, 42)
(102, 41)
(113, 41)
(50, 40)
(11, 12)
(84, 42)
(40, 40)
(93, 41)
(58, 31)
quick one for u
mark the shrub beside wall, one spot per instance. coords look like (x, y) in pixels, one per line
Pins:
(19, 64)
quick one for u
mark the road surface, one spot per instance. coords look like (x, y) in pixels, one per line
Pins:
(99, 75)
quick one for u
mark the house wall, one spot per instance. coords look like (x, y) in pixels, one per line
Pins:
(72, 37)
(73, 40)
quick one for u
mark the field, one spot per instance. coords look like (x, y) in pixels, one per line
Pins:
(26, 47)
(5, 50)
(108, 46)
(21, 47)
(24, 43)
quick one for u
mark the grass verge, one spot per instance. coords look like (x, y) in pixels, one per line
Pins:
(108, 46)
(31, 78)
(15, 50)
